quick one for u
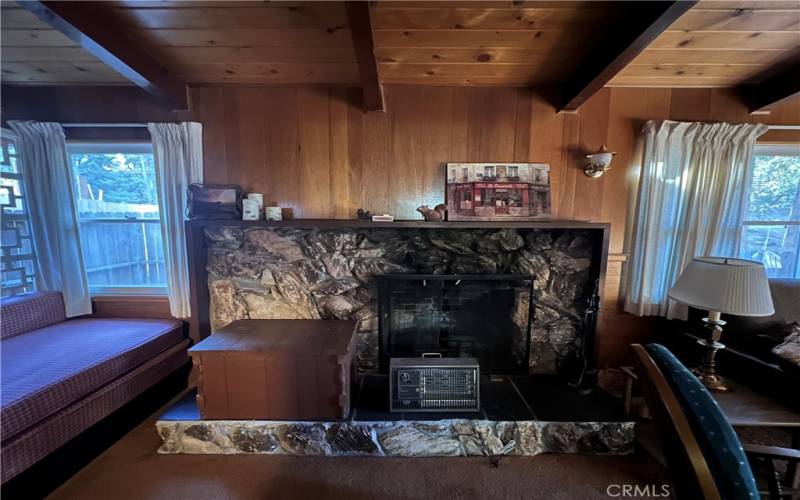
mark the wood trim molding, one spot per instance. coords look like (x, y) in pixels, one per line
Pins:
(364, 45)
(774, 90)
(91, 27)
(644, 22)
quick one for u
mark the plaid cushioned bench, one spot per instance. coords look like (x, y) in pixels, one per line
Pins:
(59, 377)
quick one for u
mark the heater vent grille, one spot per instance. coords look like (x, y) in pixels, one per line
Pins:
(439, 384)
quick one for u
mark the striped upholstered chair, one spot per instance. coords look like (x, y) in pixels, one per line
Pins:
(703, 453)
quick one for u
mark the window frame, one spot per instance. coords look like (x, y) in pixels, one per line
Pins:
(113, 147)
(767, 149)
(32, 285)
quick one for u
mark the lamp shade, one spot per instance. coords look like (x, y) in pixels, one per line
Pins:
(726, 285)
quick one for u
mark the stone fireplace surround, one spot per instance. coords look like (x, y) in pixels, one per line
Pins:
(307, 269)
(326, 269)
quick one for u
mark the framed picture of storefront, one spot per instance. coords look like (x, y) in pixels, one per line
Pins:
(498, 191)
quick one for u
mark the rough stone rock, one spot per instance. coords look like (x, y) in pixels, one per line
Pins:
(367, 317)
(337, 306)
(563, 437)
(527, 436)
(350, 438)
(254, 440)
(429, 260)
(267, 278)
(452, 240)
(225, 237)
(227, 263)
(365, 253)
(475, 264)
(201, 432)
(337, 265)
(336, 286)
(293, 292)
(568, 287)
(226, 305)
(564, 264)
(265, 307)
(538, 240)
(420, 440)
(509, 240)
(479, 438)
(561, 336)
(535, 264)
(449, 437)
(574, 244)
(337, 241)
(300, 439)
(280, 247)
(365, 269)
(607, 439)
(364, 294)
(544, 314)
(311, 272)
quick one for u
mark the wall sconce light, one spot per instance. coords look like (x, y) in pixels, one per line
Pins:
(599, 162)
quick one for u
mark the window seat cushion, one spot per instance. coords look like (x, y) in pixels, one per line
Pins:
(45, 370)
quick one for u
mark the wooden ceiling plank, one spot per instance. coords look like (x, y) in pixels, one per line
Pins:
(774, 90)
(487, 18)
(462, 55)
(190, 55)
(739, 20)
(330, 15)
(361, 30)
(643, 24)
(87, 26)
(725, 40)
(339, 38)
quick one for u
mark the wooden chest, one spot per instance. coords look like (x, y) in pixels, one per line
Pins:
(275, 369)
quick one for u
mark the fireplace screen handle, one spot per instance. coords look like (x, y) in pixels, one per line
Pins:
(431, 355)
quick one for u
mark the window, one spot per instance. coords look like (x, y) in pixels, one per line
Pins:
(17, 261)
(117, 204)
(772, 217)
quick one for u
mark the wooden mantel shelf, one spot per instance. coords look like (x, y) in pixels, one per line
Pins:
(404, 224)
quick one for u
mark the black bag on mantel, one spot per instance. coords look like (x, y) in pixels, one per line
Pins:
(207, 201)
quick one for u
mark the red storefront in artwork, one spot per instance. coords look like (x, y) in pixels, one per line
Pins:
(490, 192)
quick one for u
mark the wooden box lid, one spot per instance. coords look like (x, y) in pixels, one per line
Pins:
(310, 337)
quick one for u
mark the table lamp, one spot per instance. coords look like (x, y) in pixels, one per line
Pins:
(722, 285)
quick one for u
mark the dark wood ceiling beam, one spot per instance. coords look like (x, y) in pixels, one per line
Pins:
(642, 23)
(90, 26)
(361, 31)
(778, 88)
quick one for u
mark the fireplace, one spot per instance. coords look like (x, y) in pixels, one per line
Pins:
(487, 317)
(306, 269)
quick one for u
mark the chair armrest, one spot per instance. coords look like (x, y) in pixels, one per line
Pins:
(772, 452)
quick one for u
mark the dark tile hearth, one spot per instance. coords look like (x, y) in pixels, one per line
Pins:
(514, 398)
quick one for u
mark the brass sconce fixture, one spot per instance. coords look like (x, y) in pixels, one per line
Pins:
(599, 162)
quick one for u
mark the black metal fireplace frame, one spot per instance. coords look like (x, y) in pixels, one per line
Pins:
(384, 315)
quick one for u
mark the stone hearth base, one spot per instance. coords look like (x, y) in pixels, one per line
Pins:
(405, 438)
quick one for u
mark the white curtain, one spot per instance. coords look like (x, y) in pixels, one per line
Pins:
(56, 238)
(178, 152)
(691, 201)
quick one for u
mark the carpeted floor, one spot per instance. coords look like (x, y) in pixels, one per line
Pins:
(132, 469)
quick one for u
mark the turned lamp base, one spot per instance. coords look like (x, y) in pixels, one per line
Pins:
(707, 371)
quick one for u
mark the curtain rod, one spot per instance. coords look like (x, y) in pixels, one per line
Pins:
(783, 127)
(104, 125)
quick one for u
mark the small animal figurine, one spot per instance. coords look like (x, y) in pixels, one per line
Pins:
(435, 215)
(364, 215)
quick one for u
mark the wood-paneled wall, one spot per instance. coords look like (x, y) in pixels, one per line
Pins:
(314, 151)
